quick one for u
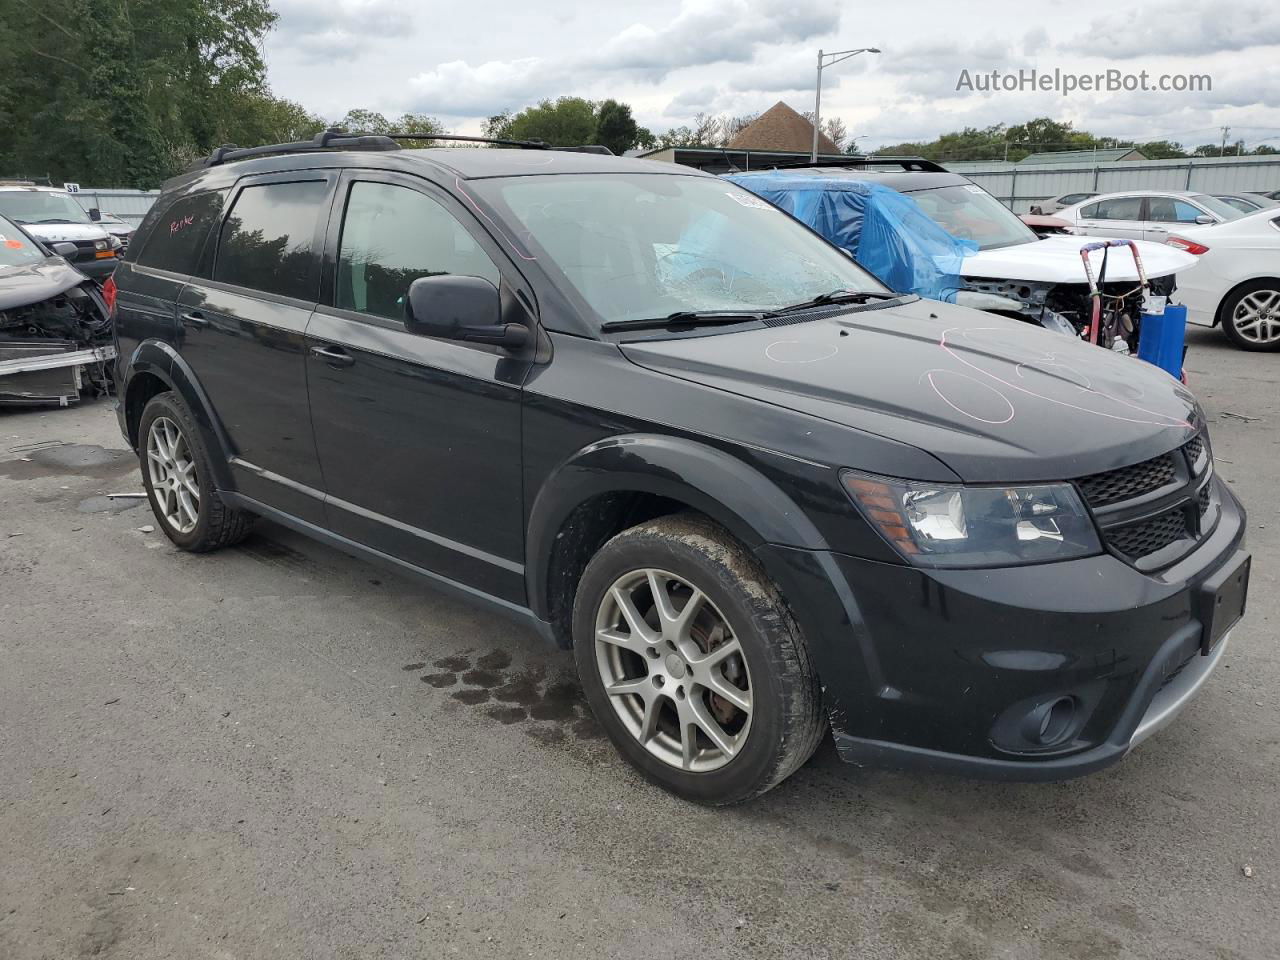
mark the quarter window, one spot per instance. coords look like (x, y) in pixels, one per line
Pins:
(393, 235)
(177, 238)
(268, 240)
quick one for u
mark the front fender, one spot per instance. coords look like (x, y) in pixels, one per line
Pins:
(160, 360)
(729, 490)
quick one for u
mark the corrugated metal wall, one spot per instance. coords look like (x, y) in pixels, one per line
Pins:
(1022, 186)
(129, 205)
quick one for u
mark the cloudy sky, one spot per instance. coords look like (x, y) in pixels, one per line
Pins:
(671, 59)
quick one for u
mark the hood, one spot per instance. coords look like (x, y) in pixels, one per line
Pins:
(1056, 259)
(996, 400)
(55, 232)
(33, 282)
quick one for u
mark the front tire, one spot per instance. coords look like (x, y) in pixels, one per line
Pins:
(178, 479)
(1251, 315)
(692, 662)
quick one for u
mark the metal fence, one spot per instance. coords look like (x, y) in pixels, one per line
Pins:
(1022, 186)
(129, 205)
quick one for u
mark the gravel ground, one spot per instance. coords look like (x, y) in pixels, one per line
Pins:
(278, 751)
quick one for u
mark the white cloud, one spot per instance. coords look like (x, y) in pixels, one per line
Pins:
(338, 31)
(459, 89)
(1187, 27)
(715, 31)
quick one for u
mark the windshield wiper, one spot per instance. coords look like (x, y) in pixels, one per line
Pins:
(837, 296)
(56, 220)
(685, 318)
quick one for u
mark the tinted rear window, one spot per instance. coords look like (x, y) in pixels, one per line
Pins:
(178, 237)
(268, 240)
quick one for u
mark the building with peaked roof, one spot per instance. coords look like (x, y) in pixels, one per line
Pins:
(782, 129)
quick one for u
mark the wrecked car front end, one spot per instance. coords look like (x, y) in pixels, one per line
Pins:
(55, 326)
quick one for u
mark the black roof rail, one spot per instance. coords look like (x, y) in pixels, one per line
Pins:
(324, 140)
(919, 164)
(335, 139)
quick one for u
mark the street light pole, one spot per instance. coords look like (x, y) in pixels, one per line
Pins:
(828, 60)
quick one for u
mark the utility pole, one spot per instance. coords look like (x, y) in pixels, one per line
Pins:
(828, 60)
(1223, 151)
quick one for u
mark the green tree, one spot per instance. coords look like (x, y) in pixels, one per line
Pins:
(125, 94)
(563, 122)
(615, 127)
(1161, 149)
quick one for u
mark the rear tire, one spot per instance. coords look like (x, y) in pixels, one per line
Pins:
(178, 478)
(710, 692)
(1251, 315)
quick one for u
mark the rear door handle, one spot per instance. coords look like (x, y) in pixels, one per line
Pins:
(334, 356)
(194, 318)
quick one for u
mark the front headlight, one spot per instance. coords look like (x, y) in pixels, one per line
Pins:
(948, 525)
(101, 245)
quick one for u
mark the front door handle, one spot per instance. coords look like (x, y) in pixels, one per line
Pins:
(194, 318)
(334, 356)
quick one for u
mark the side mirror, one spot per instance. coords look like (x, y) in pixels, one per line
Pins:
(460, 308)
(64, 248)
(95, 214)
(1204, 219)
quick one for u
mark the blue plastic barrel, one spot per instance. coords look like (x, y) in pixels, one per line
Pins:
(1160, 339)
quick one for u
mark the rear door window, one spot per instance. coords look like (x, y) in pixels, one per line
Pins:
(268, 242)
(1117, 208)
(178, 237)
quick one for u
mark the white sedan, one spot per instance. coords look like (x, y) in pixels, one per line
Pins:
(1235, 282)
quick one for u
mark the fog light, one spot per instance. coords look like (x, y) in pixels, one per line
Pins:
(1052, 721)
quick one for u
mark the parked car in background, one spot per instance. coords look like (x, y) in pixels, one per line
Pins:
(55, 331)
(971, 249)
(1247, 202)
(651, 417)
(1045, 226)
(122, 230)
(1235, 283)
(53, 216)
(1062, 200)
(1146, 214)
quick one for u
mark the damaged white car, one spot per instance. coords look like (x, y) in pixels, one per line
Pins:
(55, 325)
(923, 230)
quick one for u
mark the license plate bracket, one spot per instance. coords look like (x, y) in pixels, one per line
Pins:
(1222, 600)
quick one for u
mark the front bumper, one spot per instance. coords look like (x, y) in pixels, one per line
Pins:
(950, 670)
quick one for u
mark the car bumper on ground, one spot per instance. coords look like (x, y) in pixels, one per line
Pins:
(1041, 672)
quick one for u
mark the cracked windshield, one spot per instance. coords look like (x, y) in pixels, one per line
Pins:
(637, 246)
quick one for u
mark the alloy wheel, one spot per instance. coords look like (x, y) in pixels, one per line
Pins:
(673, 670)
(175, 487)
(1257, 316)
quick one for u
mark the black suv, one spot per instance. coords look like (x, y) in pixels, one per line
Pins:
(655, 419)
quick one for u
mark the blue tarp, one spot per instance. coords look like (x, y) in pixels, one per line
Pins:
(884, 230)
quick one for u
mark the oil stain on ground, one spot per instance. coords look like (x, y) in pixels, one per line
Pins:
(551, 705)
(64, 459)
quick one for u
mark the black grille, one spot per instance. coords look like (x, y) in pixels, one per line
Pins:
(1120, 494)
(1194, 447)
(1127, 482)
(1140, 539)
